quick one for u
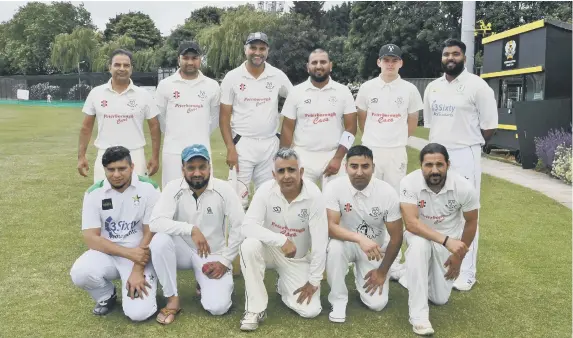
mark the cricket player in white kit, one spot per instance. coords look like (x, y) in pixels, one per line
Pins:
(321, 115)
(359, 209)
(388, 110)
(120, 108)
(190, 221)
(115, 226)
(461, 112)
(249, 116)
(440, 209)
(285, 229)
(188, 102)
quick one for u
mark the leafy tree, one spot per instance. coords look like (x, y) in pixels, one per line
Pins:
(145, 60)
(101, 61)
(310, 9)
(208, 15)
(137, 26)
(68, 50)
(336, 21)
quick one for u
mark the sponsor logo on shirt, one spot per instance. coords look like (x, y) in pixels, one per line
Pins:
(440, 109)
(421, 203)
(119, 229)
(304, 215)
(368, 231)
(348, 207)
(289, 232)
(399, 101)
(435, 219)
(103, 103)
(136, 200)
(202, 95)
(190, 107)
(332, 100)
(408, 194)
(307, 101)
(320, 117)
(258, 100)
(375, 212)
(119, 118)
(374, 100)
(385, 118)
(242, 87)
(277, 209)
(209, 211)
(176, 94)
(451, 205)
(270, 86)
(131, 104)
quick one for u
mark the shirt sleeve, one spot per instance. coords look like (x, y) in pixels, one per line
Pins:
(289, 107)
(215, 109)
(487, 108)
(394, 213)
(254, 222)
(151, 201)
(318, 226)
(91, 212)
(415, 104)
(361, 99)
(162, 101)
(330, 197)
(234, 212)
(227, 95)
(427, 108)
(164, 211)
(151, 109)
(469, 199)
(286, 86)
(407, 193)
(89, 108)
(349, 106)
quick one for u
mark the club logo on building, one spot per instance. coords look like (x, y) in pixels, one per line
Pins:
(421, 203)
(209, 211)
(307, 101)
(270, 86)
(510, 49)
(136, 199)
(277, 209)
(176, 94)
(399, 100)
(202, 95)
(368, 231)
(132, 104)
(242, 87)
(451, 205)
(304, 214)
(348, 207)
(332, 100)
(103, 103)
(374, 100)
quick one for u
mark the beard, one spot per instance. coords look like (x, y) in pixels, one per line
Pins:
(189, 72)
(319, 79)
(197, 185)
(458, 68)
(435, 180)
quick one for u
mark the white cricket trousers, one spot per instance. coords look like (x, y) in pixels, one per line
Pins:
(467, 162)
(339, 254)
(255, 161)
(425, 277)
(137, 157)
(93, 271)
(172, 253)
(171, 167)
(314, 163)
(293, 274)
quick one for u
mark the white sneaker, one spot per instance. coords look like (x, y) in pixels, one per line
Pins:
(337, 315)
(464, 283)
(423, 329)
(402, 281)
(397, 270)
(251, 320)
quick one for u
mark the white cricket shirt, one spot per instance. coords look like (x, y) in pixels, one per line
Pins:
(271, 220)
(456, 111)
(190, 110)
(120, 215)
(443, 211)
(120, 116)
(387, 107)
(255, 101)
(366, 211)
(319, 114)
(178, 211)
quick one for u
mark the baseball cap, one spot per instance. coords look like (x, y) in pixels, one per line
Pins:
(187, 46)
(258, 36)
(390, 50)
(195, 150)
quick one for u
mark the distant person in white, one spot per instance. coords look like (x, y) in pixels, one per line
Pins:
(360, 208)
(321, 115)
(286, 229)
(249, 116)
(388, 110)
(120, 108)
(115, 227)
(440, 209)
(188, 102)
(461, 112)
(49, 98)
(190, 221)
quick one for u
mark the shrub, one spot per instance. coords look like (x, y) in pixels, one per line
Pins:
(562, 163)
(79, 92)
(545, 147)
(41, 90)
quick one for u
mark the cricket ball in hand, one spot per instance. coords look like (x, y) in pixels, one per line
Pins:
(206, 268)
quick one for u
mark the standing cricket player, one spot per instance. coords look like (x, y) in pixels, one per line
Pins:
(249, 115)
(461, 112)
(440, 209)
(285, 229)
(190, 221)
(115, 226)
(321, 115)
(359, 209)
(388, 110)
(120, 108)
(188, 102)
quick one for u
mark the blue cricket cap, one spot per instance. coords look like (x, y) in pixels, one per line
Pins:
(195, 150)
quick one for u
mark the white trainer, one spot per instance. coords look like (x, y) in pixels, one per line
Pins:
(464, 282)
(423, 329)
(251, 320)
(397, 270)
(337, 315)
